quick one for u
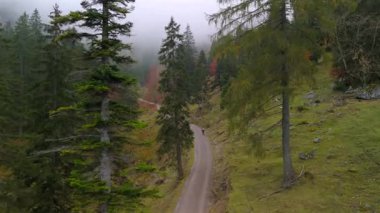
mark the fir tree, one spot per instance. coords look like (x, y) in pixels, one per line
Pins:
(22, 71)
(190, 63)
(201, 79)
(108, 105)
(175, 133)
(37, 184)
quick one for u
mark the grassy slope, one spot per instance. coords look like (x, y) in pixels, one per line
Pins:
(344, 176)
(170, 189)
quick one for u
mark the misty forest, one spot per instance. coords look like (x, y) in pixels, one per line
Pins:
(189, 106)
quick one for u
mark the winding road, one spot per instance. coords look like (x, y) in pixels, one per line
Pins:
(195, 194)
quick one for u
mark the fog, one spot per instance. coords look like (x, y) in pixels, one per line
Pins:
(149, 18)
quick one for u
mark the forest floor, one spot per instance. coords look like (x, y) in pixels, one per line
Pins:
(343, 174)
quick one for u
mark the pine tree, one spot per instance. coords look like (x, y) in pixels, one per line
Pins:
(37, 184)
(36, 23)
(108, 105)
(53, 90)
(201, 79)
(272, 38)
(22, 72)
(175, 133)
(4, 75)
(189, 50)
(190, 63)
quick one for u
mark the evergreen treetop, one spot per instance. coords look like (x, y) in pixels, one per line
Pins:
(175, 133)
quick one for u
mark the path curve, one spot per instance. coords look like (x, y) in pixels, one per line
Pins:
(195, 194)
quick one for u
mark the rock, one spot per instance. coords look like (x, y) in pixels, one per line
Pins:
(306, 155)
(368, 93)
(350, 90)
(302, 156)
(310, 95)
(317, 140)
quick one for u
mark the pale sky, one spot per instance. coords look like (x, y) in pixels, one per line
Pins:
(149, 17)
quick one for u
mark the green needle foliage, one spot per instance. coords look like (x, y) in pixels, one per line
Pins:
(200, 79)
(34, 70)
(271, 39)
(175, 133)
(107, 107)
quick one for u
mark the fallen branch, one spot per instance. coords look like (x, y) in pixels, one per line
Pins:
(71, 138)
(55, 150)
(273, 193)
(301, 173)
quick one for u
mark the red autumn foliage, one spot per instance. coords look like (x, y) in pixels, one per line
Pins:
(213, 67)
(337, 73)
(151, 85)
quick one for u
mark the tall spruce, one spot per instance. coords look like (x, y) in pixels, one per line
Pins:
(175, 134)
(22, 72)
(36, 185)
(201, 79)
(272, 37)
(189, 60)
(108, 105)
(53, 90)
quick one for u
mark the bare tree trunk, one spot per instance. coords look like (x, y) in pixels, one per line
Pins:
(179, 161)
(289, 175)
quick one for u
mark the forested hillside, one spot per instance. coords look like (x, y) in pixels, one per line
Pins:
(276, 112)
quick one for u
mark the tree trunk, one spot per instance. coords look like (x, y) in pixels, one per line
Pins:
(289, 175)
(106, 160)
(22, 97)
(179, 161)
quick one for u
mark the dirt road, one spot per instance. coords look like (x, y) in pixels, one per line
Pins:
(195, 194)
